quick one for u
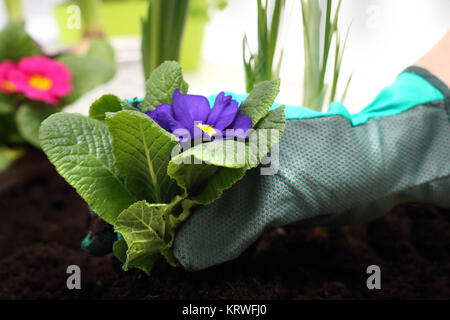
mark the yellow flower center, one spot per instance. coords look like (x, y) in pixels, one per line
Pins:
(8, 86)
(39, 82)
(206, 128)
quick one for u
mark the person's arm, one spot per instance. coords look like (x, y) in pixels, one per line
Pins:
(437, 60)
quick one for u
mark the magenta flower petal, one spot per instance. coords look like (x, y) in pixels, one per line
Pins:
(7, 70)
(44, 79)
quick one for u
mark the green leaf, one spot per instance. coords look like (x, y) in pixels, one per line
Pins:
(267, 133)
(162, 83)
(142, 150)
(207, 169)
(262, 97)
(7, 156)
(81, 150)
(221, 181)
(221, 153)
(15, 43)
(120, 250)
(191, 177)
(6, 104)
(8, 129)
(88, 72)
(275, 119)
(101, 50)
(104, 104)
(149, 230)
(29, 119)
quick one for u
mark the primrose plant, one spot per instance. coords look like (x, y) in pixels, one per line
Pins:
(34, 86)
(144, 169)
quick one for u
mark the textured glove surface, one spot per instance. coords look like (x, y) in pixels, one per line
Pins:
(330, 172)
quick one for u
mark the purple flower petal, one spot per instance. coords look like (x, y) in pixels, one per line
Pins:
(198, 106)
(193, 115)
(181, 111)
(163, 115)
(219, 104)
(227, 116)
(241, 125)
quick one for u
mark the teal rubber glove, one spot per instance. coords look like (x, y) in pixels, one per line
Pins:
(334, 168)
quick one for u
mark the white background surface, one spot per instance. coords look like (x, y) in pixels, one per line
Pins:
(386, 36)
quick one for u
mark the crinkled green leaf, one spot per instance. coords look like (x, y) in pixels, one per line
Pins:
(81, 150)
(262, 97)
(193, 178)
(148, 230)
(267, 133)
(15, 43)
(120, 250)
(106, 103)
(142, 150)
(221, 153)
(204, 183)
(221, 181)
(29, 119)
(162, 83)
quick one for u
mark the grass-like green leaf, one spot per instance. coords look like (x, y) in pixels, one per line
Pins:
(320, 30)
(162, 83)
(259, 66)
(142, 150)
(257, 104)
(81, 150)
(162, 32)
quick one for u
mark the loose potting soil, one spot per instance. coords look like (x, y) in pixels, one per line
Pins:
(43, 220)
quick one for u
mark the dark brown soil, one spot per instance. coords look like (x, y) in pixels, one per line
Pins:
(43, 221)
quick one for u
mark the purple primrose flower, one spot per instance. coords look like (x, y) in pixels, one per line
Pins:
(191, 116)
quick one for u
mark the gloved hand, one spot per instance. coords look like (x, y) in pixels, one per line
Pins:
(334, 168)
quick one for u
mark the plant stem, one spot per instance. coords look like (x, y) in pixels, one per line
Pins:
(92, 18)
(14, 9)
